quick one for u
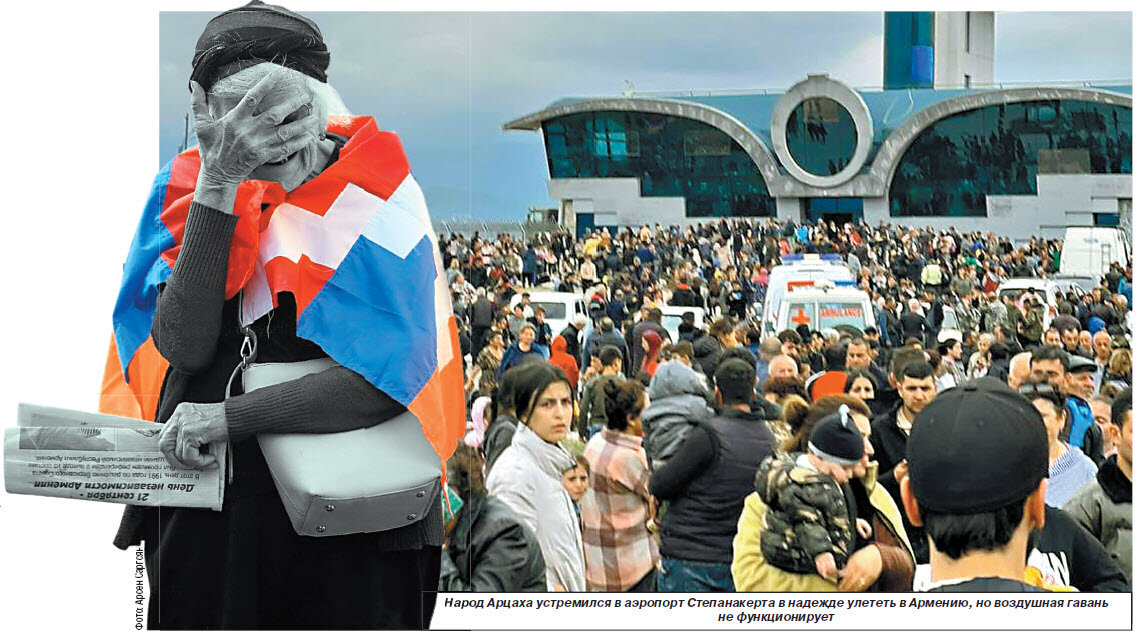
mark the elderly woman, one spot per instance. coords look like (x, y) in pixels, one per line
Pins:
(261, 141)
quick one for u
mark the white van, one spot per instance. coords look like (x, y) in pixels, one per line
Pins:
(800, 270)
(671, 317)
(1089, 251)
(560, 307)
(1047, 289)
(824, 306)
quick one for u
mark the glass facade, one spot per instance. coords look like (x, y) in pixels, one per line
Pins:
(821, 136)
(671, 156)
(838, 210)
(955, 162)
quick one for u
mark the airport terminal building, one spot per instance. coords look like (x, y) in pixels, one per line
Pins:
(931, 148)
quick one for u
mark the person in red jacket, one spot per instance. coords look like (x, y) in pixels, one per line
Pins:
(561, 357)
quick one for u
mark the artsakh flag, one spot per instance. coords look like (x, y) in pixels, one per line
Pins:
(355, 247)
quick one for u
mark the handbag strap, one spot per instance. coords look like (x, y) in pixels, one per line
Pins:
(248, 349)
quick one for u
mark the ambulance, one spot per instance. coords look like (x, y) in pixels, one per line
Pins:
(800, 269)
(822, 304)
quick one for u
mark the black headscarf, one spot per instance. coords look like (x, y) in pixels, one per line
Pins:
(256, 33)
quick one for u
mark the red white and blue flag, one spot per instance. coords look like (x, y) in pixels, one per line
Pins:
(355, 247)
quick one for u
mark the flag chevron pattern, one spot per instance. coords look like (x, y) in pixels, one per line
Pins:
(354, 246)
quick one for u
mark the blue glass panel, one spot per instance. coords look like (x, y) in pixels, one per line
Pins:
(922, 64)
(671, 156)
(954, 163)
(821, 136)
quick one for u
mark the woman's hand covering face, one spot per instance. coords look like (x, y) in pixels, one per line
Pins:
(190, 427)
(254, 132)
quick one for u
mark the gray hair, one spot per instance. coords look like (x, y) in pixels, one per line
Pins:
(327, 102)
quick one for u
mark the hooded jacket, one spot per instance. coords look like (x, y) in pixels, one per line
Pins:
(1105, 507)
(807, 514)
(572, 343)
(705, 483)
(706, 351)
(527, 478)
(679, 401)
(560, 357)
(753, 573)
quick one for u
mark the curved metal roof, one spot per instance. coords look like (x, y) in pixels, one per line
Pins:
(898, 116)
(889, 108)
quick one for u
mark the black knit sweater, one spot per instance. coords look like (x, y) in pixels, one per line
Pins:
(197, 331)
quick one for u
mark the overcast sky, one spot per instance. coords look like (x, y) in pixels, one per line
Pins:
(446, 82)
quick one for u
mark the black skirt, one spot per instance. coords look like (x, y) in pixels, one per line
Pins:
(246, 568)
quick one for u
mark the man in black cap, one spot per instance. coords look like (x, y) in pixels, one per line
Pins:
(1053, 365)
(977, 504)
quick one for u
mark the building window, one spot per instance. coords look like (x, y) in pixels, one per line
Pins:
(670, 156)
(821, 136)
(956, 162)
(1107, 218)
(967, 80)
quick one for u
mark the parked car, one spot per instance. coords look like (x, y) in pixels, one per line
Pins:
(560, 307)
(1046, 288)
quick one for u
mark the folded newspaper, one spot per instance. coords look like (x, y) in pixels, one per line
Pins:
(89, 456)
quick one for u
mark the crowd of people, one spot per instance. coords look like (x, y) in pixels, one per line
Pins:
(617, 456)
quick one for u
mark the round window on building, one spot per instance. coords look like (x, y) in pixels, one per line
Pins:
(821, 136)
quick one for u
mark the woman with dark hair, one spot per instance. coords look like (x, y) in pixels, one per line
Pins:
(527, 477)
(860, 384)
(487, 548)
(620, 551)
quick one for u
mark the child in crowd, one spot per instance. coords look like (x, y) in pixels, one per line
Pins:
(811, 514)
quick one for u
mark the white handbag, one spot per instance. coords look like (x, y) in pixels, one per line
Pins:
(365, 480)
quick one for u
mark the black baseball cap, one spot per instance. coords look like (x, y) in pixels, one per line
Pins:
(976, 447)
